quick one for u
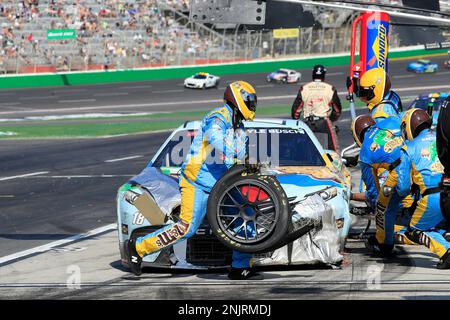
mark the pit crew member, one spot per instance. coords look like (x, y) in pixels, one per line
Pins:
(318, 105)
(220, 142)
(420, 165)
(380, 152)
(375, 89)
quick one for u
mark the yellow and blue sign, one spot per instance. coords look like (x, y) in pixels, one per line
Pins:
(377, 40)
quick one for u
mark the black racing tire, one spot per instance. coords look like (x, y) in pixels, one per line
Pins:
(230, 203)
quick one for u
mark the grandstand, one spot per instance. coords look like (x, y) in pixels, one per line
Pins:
(118, 34)
(109, 34)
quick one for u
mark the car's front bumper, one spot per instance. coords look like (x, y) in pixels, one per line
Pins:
(194, 85)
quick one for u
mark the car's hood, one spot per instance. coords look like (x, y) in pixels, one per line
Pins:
(195, 81)
(276, 75)
(415, 65)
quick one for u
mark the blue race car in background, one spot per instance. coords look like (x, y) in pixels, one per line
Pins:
(428, 101)
(422, 66)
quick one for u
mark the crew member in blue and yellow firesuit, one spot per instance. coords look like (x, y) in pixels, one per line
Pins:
(219, 143)
(380, 152)
(375, 89)
(420, 165)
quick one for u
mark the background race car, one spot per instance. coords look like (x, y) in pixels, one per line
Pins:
(202, 80)
(422, 66)
(447, 64)
(284, 76)
(307, 174)
(428, 102)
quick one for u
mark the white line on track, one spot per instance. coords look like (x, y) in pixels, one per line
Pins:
(169, 103)
(24, 175)
(83, 176)
(125, 158)
(70, 90)
(168, 91)
(75, 101)
(405, 76)
(5, 104)
(110, 94)
(265, 86)
(135, 87)
(37, 98)
(51, 245)
(334, 74)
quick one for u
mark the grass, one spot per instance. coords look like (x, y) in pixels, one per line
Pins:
(154, 122)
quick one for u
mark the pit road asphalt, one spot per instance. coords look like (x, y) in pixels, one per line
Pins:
(53, 189)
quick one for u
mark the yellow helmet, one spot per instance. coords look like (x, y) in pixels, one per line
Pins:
(242, 95)
(373, 86)
(413, 122)
(360, 126)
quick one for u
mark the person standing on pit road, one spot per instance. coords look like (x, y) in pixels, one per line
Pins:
(374, 89)
(217, 146)
(318, 105)
(420, 165)
(380, 152)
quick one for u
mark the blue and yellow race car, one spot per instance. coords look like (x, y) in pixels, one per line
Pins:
(297, 160)
(422, 66)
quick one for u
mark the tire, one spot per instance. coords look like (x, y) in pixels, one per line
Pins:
(204, 87)
(238, 199)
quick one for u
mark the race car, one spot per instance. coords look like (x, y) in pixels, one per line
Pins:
(309, 175)
(284, 76)
(430, 101)
(422, 66)
(447, 64)
(202, 80)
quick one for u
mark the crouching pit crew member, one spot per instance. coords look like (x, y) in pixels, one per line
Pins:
(420, 165)
(380, 152)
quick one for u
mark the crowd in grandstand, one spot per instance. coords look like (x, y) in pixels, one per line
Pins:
(105, 30)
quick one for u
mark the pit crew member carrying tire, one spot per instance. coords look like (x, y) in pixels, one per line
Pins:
(218, 145)
(420, 165)
(375, 89)
(318, 105)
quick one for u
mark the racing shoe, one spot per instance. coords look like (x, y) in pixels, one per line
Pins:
(383, 250)
(244, 274)
(444, 262)
(134, 259)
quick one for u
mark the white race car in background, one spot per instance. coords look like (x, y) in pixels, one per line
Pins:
(202, 80)
(284, 76)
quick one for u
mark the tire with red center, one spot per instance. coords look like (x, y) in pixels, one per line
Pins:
(249, 212)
